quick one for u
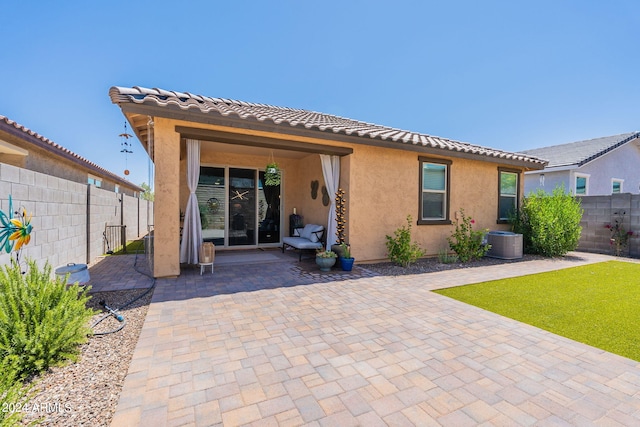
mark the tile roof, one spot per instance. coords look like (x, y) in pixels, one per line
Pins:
(19, 130)
(303, 119)
(580, 152)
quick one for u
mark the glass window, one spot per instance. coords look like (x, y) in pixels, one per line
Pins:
(434, 190)
(581, 185)
(616, 186)
(508, 197)
(94, 181)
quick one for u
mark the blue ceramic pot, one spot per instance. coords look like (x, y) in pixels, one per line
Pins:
(347, 263)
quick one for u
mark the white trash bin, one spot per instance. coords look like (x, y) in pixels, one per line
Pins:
(77, 273)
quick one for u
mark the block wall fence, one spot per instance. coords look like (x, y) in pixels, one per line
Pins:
(602, 210)
(69, 218)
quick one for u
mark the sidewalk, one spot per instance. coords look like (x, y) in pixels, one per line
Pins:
(236, 349)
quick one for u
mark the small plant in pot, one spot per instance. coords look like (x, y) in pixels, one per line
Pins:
(346, 260)
(272, 174)
(326, 260)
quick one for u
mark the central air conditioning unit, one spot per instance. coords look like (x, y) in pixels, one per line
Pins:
(504, 245)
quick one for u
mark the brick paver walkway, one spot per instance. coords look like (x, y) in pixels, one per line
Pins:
(272, 345)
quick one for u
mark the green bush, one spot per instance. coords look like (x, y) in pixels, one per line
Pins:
(550, 224)
(400, 249)
(467, 242)
(42, 320)
(13, 396)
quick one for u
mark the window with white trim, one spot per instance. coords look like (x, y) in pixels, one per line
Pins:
(508, 188)
(580, 184)
(434, 190)
(616, 185)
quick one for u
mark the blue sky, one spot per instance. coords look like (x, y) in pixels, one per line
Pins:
(505, 74)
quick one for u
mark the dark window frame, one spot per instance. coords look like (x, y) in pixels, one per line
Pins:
(518, 174)
(447, 163)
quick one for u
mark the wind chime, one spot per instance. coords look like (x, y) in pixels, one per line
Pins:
(126, 147)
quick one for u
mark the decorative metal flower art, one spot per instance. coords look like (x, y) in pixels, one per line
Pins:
(14, 232)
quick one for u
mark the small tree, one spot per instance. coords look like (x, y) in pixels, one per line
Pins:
(550, 224)
(147, 194)
(400, 249)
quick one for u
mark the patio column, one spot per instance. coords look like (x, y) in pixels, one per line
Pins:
(192, 232)
(331, 173)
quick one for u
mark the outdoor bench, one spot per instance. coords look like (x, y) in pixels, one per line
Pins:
(309, 237)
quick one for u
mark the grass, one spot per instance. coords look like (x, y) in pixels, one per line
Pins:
(133, 247)
(597, 304)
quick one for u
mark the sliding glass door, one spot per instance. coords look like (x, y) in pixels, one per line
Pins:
(242, 207)
(211, 195)
(236, 208)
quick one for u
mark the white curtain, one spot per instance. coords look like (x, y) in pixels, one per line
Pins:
(192, 232)
(331, 173)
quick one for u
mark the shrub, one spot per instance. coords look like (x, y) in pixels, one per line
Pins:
(467, 242)
(619, 235)
(13, 396)
(42, 321)
(550, 224)
(444, 257)
(400, 249)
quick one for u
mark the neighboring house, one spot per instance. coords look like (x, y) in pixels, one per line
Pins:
(78, 210)
(386, 173)
(26, 149)
(595, 167)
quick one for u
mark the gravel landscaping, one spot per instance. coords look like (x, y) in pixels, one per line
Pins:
(431, 265)
(86, 393)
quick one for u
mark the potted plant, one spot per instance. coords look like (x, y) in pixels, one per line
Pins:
(346, 260)
(326, 260)
(272, 174)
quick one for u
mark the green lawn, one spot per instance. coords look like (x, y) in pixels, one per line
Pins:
(133, 247)
(596, 304)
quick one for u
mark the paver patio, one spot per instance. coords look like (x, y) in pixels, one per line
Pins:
(272, 344)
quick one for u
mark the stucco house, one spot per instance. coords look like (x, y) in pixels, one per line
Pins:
(26, 149)
(215, 151)
(595, 167)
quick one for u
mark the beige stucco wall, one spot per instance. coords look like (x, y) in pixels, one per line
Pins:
(381, 186)
(384, 189)
(167, 199)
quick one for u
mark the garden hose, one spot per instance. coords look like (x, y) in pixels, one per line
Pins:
(115, 312)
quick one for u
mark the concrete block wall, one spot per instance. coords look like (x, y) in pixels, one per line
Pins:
(58, 207)
(68, 217)
(104, 209)
(131, 216)
(145, 213)
(602, 210)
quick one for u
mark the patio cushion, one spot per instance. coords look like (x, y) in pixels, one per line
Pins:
(309, 232)
(301, 243)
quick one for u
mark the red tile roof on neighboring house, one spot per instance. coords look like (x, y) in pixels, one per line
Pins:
(303, 119)
(23, 132)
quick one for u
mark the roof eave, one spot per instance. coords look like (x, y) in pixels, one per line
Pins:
(35, 140)
(214, 118)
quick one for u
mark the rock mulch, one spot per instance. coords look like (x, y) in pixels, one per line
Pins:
(431, 265)
(86, 393)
